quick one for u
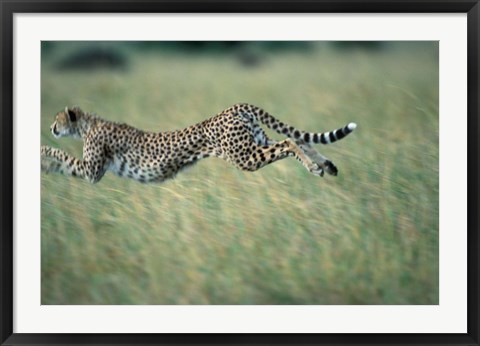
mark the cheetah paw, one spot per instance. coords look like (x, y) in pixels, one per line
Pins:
(319, 164)
(49, 165)
(316, 169)
(330, 167)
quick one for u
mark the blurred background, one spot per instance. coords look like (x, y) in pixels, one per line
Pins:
(217, 235)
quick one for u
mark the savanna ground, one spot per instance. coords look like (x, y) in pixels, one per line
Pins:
(217, 235)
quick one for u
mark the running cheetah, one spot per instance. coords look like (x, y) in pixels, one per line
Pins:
(233, 135)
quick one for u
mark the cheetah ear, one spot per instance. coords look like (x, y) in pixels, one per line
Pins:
(71, 114)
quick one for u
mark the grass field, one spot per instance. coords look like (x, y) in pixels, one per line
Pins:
(217, 235)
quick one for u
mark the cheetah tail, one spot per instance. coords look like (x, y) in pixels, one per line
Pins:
(326, 137)
(308, 137)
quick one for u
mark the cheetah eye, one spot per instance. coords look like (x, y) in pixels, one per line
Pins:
(72, 115)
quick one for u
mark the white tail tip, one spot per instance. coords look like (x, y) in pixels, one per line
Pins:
(352, 126)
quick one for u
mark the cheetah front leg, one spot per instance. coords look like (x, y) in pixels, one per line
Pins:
(55, 160)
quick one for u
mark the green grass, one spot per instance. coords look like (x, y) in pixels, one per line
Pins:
(217, 235)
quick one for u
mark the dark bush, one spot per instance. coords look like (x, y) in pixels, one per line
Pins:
(94, 57)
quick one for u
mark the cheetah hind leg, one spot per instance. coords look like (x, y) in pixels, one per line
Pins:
(320, 163)
(316, 163)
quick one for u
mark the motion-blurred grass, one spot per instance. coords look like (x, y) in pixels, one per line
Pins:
(217, 235)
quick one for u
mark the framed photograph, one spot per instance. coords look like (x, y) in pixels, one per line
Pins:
(239, 172)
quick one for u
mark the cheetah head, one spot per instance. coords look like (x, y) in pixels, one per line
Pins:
(66, 123)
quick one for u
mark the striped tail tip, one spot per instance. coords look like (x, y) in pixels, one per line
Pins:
(332, 136)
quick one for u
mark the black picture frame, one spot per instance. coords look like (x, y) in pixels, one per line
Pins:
(9, 8)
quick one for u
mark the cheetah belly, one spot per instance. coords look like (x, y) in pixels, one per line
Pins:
(119, 166)
(143, 172)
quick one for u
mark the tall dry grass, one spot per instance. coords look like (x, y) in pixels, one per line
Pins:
(216, 235)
